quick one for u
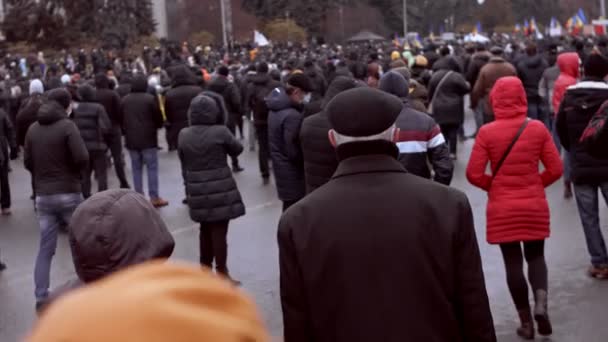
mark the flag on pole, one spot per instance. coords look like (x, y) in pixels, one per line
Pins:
(478, 27)
(581, 15)
(260, 39)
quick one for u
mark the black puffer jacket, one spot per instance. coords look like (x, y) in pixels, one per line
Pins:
(318, 82)
(55, 152)
(27, 116)
(203, 147)
(284, 124)
(320, 160)
(141, 117)
(178, 98)
(230, 92)
(260, 87)
(579, 105)
(109, 99)
(92, 121)
(448, 102)
(530, 70)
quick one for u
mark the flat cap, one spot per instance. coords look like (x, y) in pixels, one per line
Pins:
(362, 112)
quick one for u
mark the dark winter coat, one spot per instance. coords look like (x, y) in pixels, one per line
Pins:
(579, 105)
(211, 190)
(177, 101)
(284, 124)
(496, 68)
(92, 121)
(110, 101)
(232, 97)
(517, 205)
(318, 82)
(530, 71)
(350, 272)
(260, 84)
(27, 116)
(55, 153)
(141, 117)
(7, 138)
(448, 103)
(320, 160)
(478, 60)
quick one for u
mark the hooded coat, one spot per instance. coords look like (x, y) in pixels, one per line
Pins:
(517, 207)
(568, 64)
(448, 102)
(177, 102)
(141, 117)
(211, 190)
(320, 160)
(92, 121)
(284, 123)
(55, 153)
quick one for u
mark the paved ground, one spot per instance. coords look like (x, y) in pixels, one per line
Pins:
(578, 304)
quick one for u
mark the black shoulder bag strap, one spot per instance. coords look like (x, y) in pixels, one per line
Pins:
(508, 151)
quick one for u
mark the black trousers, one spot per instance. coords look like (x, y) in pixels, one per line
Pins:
(118, 158)
(534, 253)
(261, 132)
(98, 163)
(232, 122)
(213, 245)
(450, 132)
(5, 188)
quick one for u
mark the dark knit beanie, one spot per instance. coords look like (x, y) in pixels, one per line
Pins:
(60, 95)
(362, 112)
(596, 66)
(300, 81)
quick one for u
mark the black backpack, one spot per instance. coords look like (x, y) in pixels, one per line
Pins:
(258, 101)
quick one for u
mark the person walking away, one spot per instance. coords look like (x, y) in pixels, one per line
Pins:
(496, 68)
(284, 122)
(232, 99)
(320, 160)
(447, 89)
(530, 70)
(569, 65)
(589, 174)
(518, 212)
(142, 119)
(110, 100)
(322, 287)
(120, 224)
(8, 151)
(177, 102)
(94, 125)
(27, 116)
(480, 58)
(57, 157)
(420, 140)
(261, 86)
(213, 196)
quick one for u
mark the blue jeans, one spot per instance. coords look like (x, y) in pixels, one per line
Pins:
(537, 111)
(588, 209)
(148, 157)
(52, 211)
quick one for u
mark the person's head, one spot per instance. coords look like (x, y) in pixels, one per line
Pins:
(208, 109)
(154, 302)
(102, 81)
(394, 83)
(262, 68)
(36, 87)
(596, 66)
(508, 98)
(61, 96)
(444, 51)
(362, 117)
(65, 80)
(531, 49)
(223, 71)
(480, 47)
(497, 51)
(338, 85)
(114, 230)
(298, 87)
(86, 93)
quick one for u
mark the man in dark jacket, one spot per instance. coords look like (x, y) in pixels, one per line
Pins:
(317, 81)
(7, 142)
(120, 225)
(232, 99)
(57, 156)
(420, 141)
(29, 110)
(110, 100)
(530, 70)
(94, 125)
(284, 122)
(177, 102)
(588, 174)
(320, 160)
(261, 86)
(395, 256)
(479, 59)
(142, 119)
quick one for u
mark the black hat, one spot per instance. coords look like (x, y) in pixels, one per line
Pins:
(362, 112)
(596, 65)
(223, 70)
(61, 95)
(497, 50)
(301, 81)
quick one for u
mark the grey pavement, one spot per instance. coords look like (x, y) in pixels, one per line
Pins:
(577, 304)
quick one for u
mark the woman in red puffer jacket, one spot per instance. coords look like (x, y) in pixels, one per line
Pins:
(517, 210)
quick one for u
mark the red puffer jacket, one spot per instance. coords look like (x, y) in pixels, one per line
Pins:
(517, 207)
(568, 63)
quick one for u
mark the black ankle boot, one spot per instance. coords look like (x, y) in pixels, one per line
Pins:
(541, 314)
(526, 330)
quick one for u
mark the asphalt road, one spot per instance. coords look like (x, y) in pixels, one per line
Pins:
(577, 304)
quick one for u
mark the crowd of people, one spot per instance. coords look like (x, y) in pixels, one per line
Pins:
(362, 141)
